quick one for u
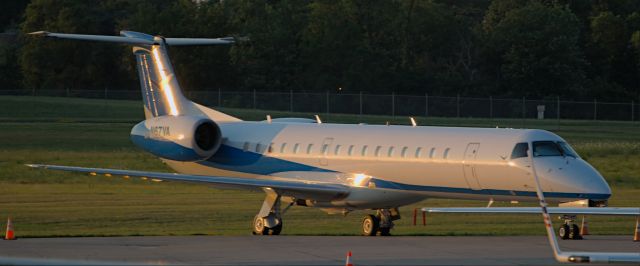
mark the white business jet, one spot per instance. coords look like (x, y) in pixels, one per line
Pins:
(337, 167)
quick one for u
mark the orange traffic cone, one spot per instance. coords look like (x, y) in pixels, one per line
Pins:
(636, 235)
(10, 235)
(349, 259)
(584, 229)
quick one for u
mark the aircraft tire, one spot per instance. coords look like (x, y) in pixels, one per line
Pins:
(258, 226)
(370, 225)
(277, 229)
(564, 231)
(385, 231)
(575, 232)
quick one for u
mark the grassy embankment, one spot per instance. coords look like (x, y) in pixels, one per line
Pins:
(95, 133)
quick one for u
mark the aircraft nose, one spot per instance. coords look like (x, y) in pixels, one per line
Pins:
(593, 183)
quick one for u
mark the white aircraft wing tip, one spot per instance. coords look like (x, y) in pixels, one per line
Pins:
(42, 33)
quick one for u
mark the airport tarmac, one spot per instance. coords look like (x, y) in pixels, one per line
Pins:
(302, 250)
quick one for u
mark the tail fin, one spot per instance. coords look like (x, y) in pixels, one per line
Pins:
(161, 92)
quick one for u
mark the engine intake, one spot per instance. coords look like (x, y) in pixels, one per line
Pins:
(179, 138)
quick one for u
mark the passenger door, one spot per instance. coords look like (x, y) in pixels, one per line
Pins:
(469, 167)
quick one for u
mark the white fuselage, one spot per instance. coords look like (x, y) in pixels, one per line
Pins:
(390, 166)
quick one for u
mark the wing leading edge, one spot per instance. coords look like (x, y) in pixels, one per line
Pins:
(296, 189)
(536, 210)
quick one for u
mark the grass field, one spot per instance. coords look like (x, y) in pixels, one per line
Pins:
(95, 133)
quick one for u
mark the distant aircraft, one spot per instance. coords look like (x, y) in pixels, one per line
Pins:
(338, 167)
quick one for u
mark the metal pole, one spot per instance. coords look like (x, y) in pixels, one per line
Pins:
(491, 107)
(595, 109)
(393, 104)
(426, 105)
(458, 105)
(558, 109)
(360, 102)
(290, 100)
(254, 98)
(219, 97)
(524, 110)
(327, 102)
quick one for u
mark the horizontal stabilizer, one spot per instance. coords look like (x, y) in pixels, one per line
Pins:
(97, 38)
(536, 210)
(135, 38)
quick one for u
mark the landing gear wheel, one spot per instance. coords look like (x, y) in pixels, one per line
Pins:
(259, 227)
(575, 232)
(385, 231)
(370, 225)
(564, 231)
(276, 230)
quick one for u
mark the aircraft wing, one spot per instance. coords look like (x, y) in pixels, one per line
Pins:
(536, 210)
(293, 188)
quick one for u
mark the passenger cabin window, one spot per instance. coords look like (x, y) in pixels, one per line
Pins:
(350, 152)
(390, 152)
(270, 149)
(418, 152)
(520, 150)
(283, 147)
(325, 149)
(337, 151)
(309, 148)
(546, 148)
(258, 147)
(432, 153)
(445, 155)
(245, 147)
(296, 148)
(377, 152)
(404, 152)
(364, 150)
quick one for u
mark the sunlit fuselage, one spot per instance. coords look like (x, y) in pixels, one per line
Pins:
(390, 166)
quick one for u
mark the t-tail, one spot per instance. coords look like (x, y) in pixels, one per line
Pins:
(161, 92)
(175, 128)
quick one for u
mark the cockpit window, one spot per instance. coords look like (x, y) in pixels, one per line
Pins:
(568, 151)
(520, 150)
(547, 148)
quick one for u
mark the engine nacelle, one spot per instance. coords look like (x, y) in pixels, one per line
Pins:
(179, 138)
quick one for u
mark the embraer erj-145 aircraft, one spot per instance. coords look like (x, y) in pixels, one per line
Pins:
(339, 167)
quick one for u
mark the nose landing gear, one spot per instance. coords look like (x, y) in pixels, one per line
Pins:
(569, 230)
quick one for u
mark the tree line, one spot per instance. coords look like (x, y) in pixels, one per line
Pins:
(580, 49)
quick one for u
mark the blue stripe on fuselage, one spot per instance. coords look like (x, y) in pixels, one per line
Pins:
(234, 159)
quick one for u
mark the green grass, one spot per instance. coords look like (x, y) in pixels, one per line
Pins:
(95, 133)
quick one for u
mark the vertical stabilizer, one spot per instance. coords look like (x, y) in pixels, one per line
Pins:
(161, 92)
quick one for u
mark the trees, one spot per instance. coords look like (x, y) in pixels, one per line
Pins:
(503, 47)
(537, 51)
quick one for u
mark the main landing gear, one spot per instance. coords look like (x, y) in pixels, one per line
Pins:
(380, 223)
(269, 220)
(569, 230)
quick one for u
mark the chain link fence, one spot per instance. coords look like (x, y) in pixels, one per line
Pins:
(376, 104)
